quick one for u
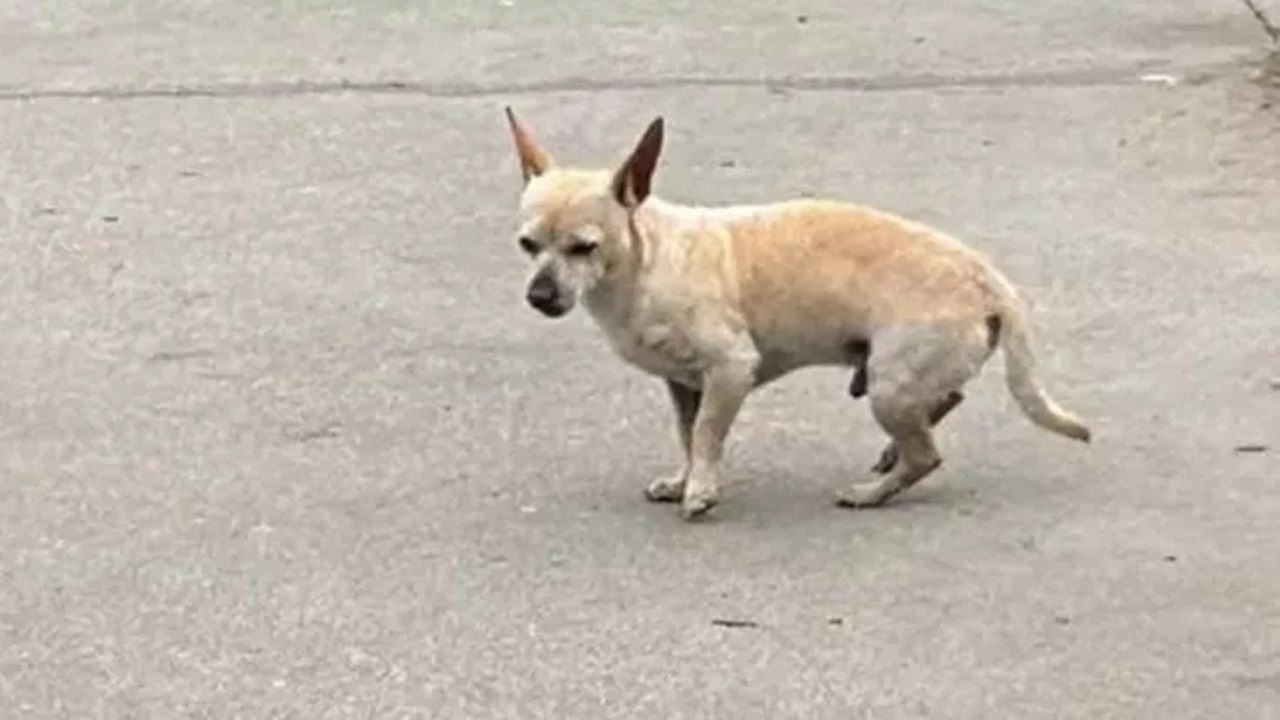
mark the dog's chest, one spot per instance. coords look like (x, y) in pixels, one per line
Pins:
(655, 342)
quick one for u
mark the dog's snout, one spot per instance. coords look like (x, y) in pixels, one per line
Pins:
(541, 291)
(544, 296)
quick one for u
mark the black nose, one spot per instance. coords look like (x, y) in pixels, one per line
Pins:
(543, 296)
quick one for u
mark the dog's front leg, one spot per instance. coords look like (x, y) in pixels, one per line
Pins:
(724, 388)
(686, 401)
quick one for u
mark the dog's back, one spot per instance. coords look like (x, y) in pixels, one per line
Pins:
(833, 262)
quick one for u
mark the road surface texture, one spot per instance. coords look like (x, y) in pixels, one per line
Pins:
(279, 438)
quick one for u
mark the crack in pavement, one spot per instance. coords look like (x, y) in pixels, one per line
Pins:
(1084, 77)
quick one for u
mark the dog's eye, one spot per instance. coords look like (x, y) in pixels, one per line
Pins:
(582, 249)
(528, 245)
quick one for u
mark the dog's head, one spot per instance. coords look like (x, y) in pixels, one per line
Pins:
(574, 223)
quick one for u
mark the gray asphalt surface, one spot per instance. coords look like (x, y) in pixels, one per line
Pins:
(279, 439)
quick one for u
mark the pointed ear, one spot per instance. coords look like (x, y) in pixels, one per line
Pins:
(533, 159)
(632, 181)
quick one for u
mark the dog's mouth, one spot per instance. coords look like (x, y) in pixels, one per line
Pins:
(551, 309)
(551, 306)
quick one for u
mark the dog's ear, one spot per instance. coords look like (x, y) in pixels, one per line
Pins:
(533, 159)
(632, 181)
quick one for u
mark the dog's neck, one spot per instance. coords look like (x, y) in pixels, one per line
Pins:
(640, 232)
(644, 232)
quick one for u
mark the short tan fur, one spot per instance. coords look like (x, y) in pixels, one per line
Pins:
(718, 301)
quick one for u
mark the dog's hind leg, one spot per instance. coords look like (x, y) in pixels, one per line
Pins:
(907, 422)
(686, 401)
(889, 456)
(915, 377)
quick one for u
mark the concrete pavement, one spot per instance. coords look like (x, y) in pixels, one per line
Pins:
(278, 438)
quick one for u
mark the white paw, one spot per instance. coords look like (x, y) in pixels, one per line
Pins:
(862, 495)
(697, 503)
(666, 489)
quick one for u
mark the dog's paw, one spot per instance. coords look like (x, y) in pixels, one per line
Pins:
(696, 504)
(666, 489)
(862, 495)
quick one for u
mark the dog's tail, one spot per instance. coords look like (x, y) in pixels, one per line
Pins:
(1012, 330)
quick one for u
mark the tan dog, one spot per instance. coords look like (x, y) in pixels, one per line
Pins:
(719, 301)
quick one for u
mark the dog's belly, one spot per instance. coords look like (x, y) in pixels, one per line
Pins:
(662, 350)
(787, 347)
(780, 363)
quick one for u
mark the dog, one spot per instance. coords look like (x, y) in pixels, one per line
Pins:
(720, 301)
